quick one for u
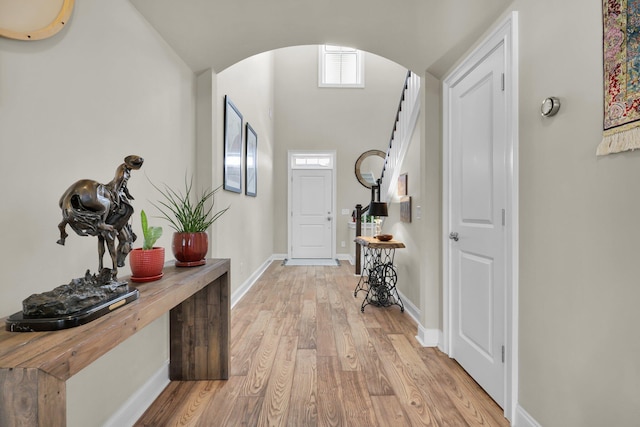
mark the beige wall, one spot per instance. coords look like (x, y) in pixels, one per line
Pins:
(349, 121)
(415, 33)
(73, 106)
(411, 234)
(420, 264)
(431, 161)
(245, 233)
(579, 273)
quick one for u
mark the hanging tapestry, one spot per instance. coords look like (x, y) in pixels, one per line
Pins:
(621, 51)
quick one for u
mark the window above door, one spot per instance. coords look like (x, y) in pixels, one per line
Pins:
(340, 67)
(311, 160)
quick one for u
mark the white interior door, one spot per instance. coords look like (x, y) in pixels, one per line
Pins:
(312, 214)
(478, 199)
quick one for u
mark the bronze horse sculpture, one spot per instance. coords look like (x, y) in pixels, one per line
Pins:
(103, 210)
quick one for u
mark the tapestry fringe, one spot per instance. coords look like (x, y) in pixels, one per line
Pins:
(615, 142)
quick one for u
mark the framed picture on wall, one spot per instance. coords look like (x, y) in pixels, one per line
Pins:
(402, 185)
(232, 147)
(250, 163)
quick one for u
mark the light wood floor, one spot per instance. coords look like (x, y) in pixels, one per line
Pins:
(304, 355)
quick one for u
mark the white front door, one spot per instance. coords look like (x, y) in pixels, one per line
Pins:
(312, 215)
(477, 245)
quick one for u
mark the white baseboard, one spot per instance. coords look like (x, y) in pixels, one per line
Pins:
(244, 288)
(429, 337)
(341, 257)
(139, 401)
(523, 419)
(346, 257)
(410, 308)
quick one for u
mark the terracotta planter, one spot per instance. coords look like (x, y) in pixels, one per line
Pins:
(190, 248)
(146, 265)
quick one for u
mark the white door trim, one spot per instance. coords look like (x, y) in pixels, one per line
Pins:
(505, 33)
(290, 156)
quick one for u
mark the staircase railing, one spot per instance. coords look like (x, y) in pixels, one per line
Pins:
(403, 127)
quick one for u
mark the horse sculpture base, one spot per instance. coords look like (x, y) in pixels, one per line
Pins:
(81, 301)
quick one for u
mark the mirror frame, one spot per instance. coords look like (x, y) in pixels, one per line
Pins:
(49, 30)
(361, 159)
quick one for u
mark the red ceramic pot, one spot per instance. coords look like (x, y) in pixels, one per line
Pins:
(146, 265)
(190, 248)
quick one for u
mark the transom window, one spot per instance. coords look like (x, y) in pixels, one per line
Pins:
(340, 66)
(311, 161)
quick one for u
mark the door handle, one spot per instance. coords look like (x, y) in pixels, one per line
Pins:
(454, 236)
(328, 218)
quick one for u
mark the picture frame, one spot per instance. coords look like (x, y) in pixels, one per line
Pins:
(233, 120)
(402, 184)
(405, 208)
(251, 162)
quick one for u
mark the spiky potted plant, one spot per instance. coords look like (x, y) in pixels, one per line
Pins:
(147, 262)
(190, 215)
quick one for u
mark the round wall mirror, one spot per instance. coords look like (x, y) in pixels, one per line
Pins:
(369, 167)
(33, 19)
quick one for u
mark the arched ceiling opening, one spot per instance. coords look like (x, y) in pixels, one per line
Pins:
(421, 35)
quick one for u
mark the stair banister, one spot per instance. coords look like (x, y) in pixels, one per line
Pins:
(403, 126)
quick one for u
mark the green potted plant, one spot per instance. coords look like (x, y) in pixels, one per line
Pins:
(147, 262)
(190, 215)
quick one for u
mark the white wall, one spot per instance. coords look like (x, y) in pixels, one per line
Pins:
(349, 121)
(71, 107)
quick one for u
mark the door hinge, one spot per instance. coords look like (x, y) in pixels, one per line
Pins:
(502, 83)
(504, 217)
(502, 354)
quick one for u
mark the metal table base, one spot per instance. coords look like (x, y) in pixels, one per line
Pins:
(379, 278)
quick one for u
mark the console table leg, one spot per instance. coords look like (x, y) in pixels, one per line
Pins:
(199, 334)
(31, 397)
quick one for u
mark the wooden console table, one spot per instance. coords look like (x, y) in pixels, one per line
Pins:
(34, 366)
